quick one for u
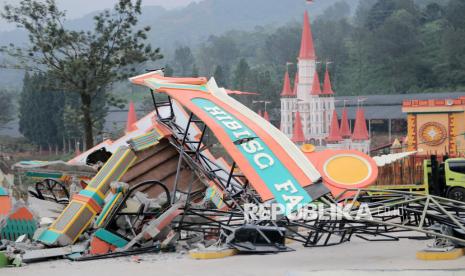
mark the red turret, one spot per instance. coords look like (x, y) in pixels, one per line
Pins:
(298, 133)
(132, 118)
(77, 150)
(345, 128)
(307, 51)
(327, 89)
(296, 82)
(316, 87)
(266, 116)
(360, 128)
(334, 133)
(287, 91)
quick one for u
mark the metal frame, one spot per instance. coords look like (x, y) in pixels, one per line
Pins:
(132, 218)
(52, 186)
(191, 153)
(393, 212)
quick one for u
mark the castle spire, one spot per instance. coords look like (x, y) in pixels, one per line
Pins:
(345, 129)
(260, 113)
(132, 118)
(316, 87)
(266, 116)
(334, 133)
(287, 91)
(327, 89)
(296, 83)
(298, 133)
(360, 128)
(307, 51)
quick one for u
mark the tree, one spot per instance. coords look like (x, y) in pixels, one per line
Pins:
(168, 71)
(454, 14)
(6, 107)
(219, 76)
(195, 71)
(265, 83)
(85, 62)
(333, 48)
(397, 39)
(221, 51)
(241, 77)
(432, 12)
(453, 45)
(384, 50)
(41, 111)
(224, 49)
(281, 46)
(383, 9)
(339, 10)
(183, 61)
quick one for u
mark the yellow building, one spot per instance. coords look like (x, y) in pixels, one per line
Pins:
(436, 126)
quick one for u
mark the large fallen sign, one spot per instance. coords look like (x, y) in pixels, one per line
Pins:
(265, 156)
(200, 164)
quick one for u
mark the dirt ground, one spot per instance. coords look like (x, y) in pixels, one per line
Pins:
(355, 258)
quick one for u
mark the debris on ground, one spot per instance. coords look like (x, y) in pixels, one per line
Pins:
(165, 187)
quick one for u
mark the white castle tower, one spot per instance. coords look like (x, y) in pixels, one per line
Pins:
(312, 110)
(314, 105)
(288, 105)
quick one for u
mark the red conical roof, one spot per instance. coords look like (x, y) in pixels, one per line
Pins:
(296, 83)
(132, 118)
(307, 51)
(334, 133)
(360, 128)
(77, 150)
(345, 128)
(266, 116)
(298, 132)
(287, 91)
(316, 87)
(327, 89)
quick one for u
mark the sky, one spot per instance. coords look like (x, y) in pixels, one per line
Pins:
(78, 8)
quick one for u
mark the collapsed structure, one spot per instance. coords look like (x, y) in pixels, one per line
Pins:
(183, 175)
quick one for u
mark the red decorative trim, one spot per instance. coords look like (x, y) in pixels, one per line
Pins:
(452, 133)
(415, 128)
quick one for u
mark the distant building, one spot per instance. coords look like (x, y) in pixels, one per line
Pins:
(436, 126)
(308, 112)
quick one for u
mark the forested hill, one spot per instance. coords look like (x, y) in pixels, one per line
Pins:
(197, 21)
(385, 47)
(375, 47)
(194, 23)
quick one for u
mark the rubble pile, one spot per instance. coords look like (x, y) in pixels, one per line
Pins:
(183, 179)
